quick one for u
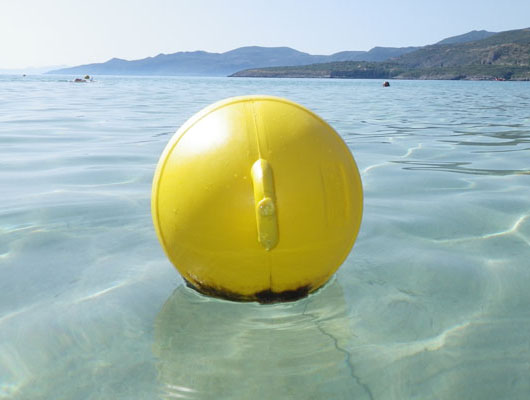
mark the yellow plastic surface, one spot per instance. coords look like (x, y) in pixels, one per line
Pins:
(256, 196)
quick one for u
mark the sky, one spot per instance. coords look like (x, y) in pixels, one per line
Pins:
(37, 33)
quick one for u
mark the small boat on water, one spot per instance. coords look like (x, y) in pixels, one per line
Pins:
(87, 78)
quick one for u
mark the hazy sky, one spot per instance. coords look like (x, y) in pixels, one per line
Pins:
(72, 32)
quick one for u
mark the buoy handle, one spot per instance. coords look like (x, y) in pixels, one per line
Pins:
(265, 204)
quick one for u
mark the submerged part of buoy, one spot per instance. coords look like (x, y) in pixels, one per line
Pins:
(256, 198)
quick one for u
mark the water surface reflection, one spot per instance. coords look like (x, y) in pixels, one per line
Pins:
(217, 349)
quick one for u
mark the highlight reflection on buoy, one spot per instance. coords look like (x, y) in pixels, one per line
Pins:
(256, 198)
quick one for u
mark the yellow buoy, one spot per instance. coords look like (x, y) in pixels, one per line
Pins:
(256, 198)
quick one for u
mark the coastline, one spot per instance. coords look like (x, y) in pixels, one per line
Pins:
(361, 70)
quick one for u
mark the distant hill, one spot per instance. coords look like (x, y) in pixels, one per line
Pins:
(196, 63)
(504, 48)
(202, 63)
(375, 54)
(472, 48)
(505, 55)
(467, 37)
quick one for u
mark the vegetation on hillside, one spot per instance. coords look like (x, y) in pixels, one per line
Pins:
(504, 56)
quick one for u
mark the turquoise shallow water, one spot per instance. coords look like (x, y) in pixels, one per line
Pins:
(433, 302)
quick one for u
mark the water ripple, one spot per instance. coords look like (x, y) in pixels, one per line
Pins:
(457, 167)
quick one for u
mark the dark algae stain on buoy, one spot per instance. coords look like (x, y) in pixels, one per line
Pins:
(268, 296)
(263, 297)
(256, 198)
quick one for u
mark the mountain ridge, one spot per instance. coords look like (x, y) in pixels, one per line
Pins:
(502, 56)
(467, 37)
(473, 55)
(204, 63)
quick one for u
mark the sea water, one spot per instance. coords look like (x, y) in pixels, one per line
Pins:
(432, 303)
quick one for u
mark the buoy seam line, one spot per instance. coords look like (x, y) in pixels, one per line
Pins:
(256, 133)
(196, 118)
(341, 350)
(324, 195)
